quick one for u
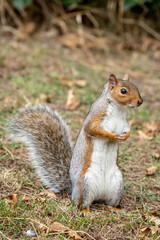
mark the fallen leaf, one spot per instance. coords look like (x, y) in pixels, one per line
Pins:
(135, 122)
(12, 199)
(117, 210)
(44, 98)
(71, 40)
(72, 102)
(29, 28)
(155, 213)
(57, 227)
(151, 126)
(80, 120)
(99, 43)
(24, 31)
(144, 232)
(42, 228)
(66, 82)
(49, 98)
(151, 170)
(156, 220)
(50, 194)
(25, 198)
(156, 154)
(80, 83)
(157, 55)
(37, 183)
(145, 135)
(42, 199)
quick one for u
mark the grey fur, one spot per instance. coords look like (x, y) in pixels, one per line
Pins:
(48, 142)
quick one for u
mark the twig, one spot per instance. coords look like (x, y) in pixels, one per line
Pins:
(61, 24)
(35, 230)
(45, 9)
(143, 25)
(92, 19)
(80, 28)
(6, 28)
(120, 15)
(9, 152)
(12, 14)
(2, 12)
(67, 231)
(20, 186)
(5, 236)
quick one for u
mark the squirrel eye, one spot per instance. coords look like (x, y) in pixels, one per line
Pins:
(123, 91)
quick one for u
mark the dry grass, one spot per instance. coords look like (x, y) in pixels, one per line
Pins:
(35, 66)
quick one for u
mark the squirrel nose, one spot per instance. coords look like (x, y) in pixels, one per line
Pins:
(139, 102)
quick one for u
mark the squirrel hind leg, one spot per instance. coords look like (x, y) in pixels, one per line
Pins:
(82, 195)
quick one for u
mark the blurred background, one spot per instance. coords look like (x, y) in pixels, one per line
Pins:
(61, 53)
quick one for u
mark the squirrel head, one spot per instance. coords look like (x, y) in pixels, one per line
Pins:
(124, 92)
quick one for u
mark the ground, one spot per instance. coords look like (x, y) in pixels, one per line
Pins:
(37, 70)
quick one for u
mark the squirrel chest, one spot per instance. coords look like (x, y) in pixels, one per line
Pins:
(103, 172)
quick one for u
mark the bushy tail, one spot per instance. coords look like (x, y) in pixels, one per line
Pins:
(48, 143)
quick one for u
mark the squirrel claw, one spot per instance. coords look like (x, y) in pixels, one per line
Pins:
(122, 137)
(85, 212)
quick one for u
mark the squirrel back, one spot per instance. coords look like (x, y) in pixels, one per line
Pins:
(49, 146)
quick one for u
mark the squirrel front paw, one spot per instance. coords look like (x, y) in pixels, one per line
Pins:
(122, 137)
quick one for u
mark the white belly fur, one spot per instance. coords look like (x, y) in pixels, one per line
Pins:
(105, 177)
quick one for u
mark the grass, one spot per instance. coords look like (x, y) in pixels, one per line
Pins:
(26, 75)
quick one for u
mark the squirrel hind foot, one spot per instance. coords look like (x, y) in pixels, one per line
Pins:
(85, 212)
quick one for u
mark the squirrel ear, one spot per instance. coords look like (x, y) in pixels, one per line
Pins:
(112, 82)
(126, 77)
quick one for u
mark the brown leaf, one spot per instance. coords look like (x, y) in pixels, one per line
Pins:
(29, 28)
(135, 122)
(99, 43)
(12, 199)
(151, 126)
(145, 135)
(156, 154)
(57, 227)
(25, 30)
(144, 232)
(25, 198)
(49, 98)
(151, 170)
(44, 98)
(66, 82)
(42, 228)
(117, 210)
(50, 194)
(72, 102)
(73, 235)
(41, 199)
(37, 183)
(71, 40)
(155, 213)
(80, 120)
(156, 220)
(80, 83)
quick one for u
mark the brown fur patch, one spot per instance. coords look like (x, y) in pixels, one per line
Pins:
(88, 155)
(80, 190)
(132, 97)
(93, 129)
(96, 131)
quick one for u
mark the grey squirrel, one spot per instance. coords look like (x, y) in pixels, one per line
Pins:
(90, 170)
